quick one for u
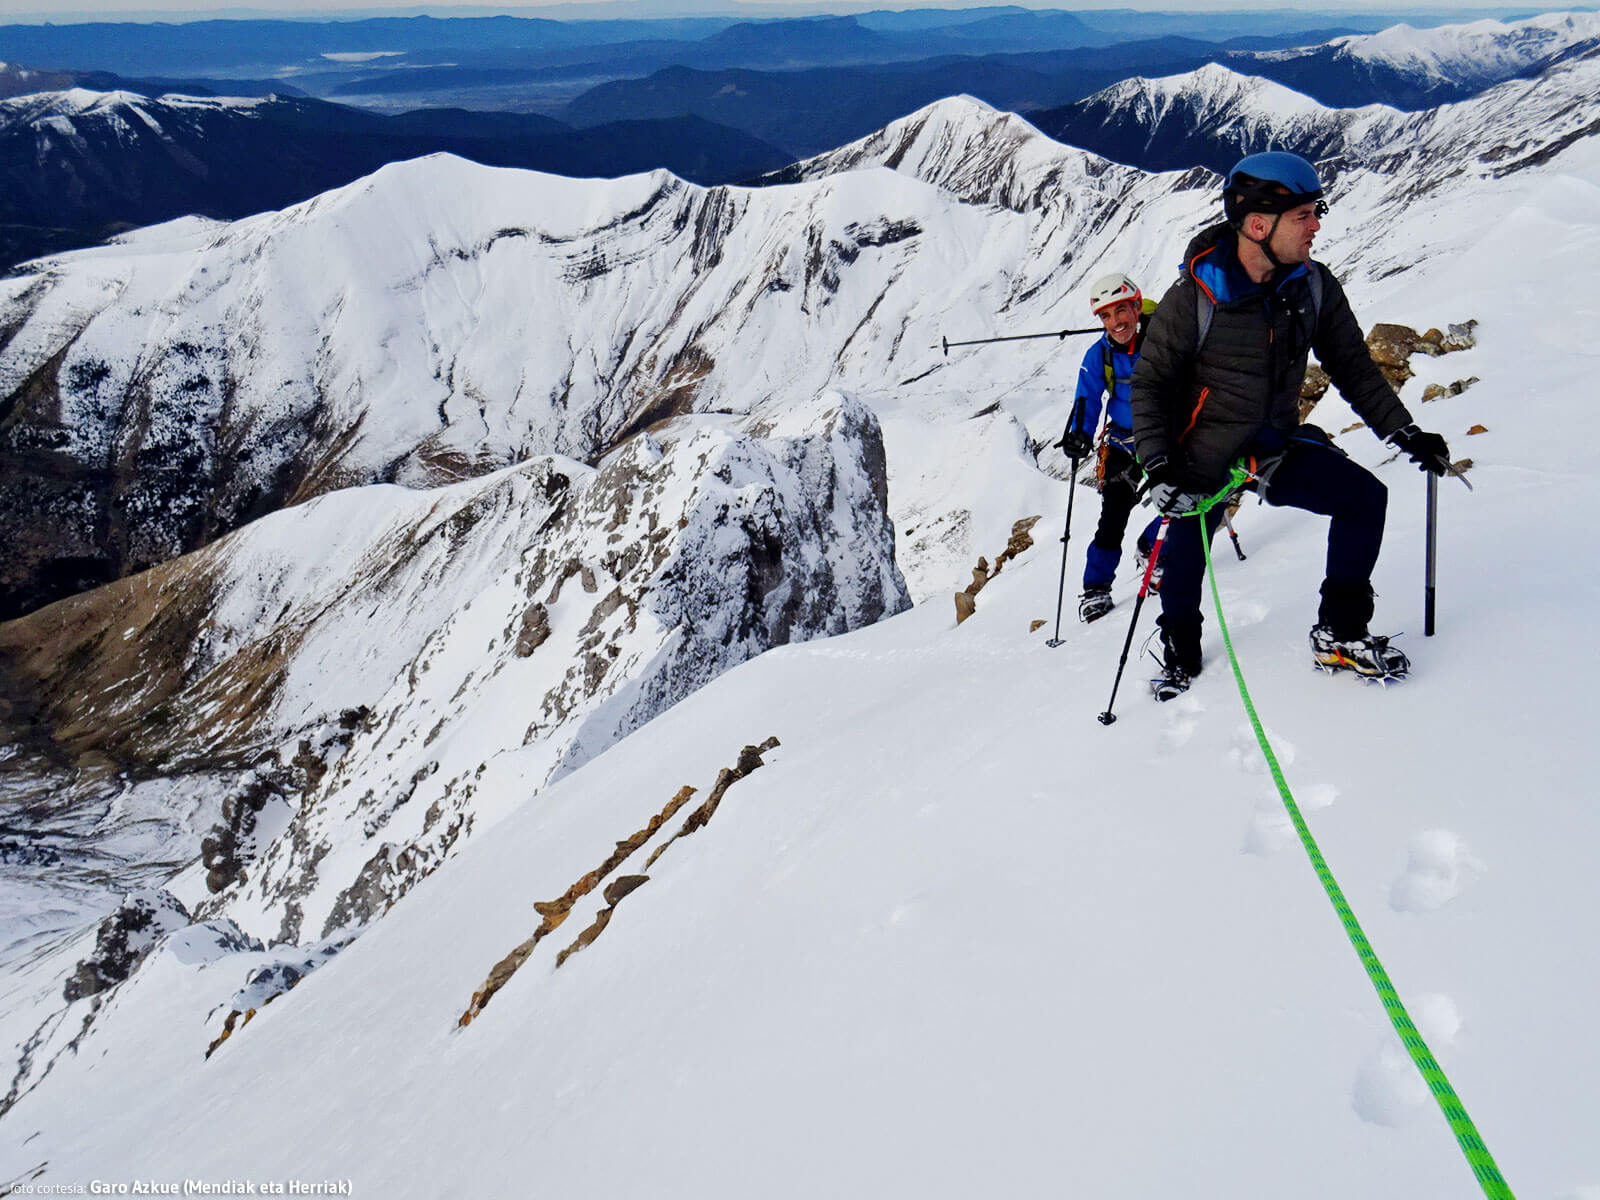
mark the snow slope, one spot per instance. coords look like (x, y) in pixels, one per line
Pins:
(957, 937)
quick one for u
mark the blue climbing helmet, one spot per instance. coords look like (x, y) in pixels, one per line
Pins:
(1271, 182)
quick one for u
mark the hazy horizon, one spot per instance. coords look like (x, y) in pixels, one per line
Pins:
(27, 12)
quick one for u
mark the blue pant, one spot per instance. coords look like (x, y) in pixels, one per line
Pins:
(1320, 479)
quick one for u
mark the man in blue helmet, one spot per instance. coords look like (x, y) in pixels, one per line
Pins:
(1219, 382)
(1106, 373)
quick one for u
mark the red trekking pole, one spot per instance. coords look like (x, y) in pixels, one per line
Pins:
(1108, 716)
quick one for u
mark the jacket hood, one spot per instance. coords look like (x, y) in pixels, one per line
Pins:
(1210, 238)
(1212, 259)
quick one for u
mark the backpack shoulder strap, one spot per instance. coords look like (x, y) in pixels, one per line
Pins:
(1204, 309)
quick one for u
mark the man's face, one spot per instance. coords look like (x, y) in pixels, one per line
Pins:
(1291, 242)
(1120, 320)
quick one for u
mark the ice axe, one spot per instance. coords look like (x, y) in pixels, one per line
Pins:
(1227, 518)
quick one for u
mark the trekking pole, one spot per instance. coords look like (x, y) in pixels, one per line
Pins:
(1072, 492)
(1431, 567)
(1015, 337)
(1227, 518)
(1107, 717)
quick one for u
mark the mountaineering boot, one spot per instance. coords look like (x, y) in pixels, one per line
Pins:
(1173, 681)
(1094, 603)
(1180, 661)
(1366, 655)
(1155, 575)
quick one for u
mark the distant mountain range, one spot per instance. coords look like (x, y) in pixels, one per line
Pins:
(810, 111)
(97, 153)
(503, 62)
(1004, 169)
(232, 47)
(76, 166)
(25, 81)
(813, 110)
(1419, 68)
(1308, 99)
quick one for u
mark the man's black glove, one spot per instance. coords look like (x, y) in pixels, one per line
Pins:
(1427, 450)
(1076, 444)
(1161, 479)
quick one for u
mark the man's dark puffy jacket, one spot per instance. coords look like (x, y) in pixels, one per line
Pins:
(1243, 391)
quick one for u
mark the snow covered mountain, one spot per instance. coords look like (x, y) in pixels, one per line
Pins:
(1214, 115)
(1209, 117)
(562, 604)
(190, 369)
(1381, 160)
(18, 80)
(440, 320)
(95, 161)
(953, 934)
(1416, 68)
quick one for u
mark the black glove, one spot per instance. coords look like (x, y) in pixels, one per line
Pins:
(1161, 484)
(1165, 490)
(1076, 444)
(1427, 450)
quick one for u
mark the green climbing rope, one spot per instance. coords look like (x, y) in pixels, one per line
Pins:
(1471, 1142)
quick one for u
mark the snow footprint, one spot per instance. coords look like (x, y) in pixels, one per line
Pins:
(1389, 1090)
(1183, 718)
(1440, 866)
(1271, 830)
(1246, 754)
(1243, 613)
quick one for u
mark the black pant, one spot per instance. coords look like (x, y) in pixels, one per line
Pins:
(1118, 494)
(1318, 478)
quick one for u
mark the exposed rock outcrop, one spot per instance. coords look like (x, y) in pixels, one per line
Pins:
(1393, 345)
(123, 941)
(535, 630)
(696, 546)
(1438, 391)
(555, 912)
(1020, 540)
(267, 983)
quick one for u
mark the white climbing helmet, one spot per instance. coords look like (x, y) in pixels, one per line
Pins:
(1109, 289)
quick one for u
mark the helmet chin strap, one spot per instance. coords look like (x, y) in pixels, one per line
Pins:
(1265, 242)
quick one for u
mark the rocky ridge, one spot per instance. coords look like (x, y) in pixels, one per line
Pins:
(687, 550)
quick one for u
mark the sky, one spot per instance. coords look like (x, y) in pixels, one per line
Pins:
(142, 10)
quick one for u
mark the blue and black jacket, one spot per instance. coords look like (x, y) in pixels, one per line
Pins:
(1204, 403)
(1108, 369)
